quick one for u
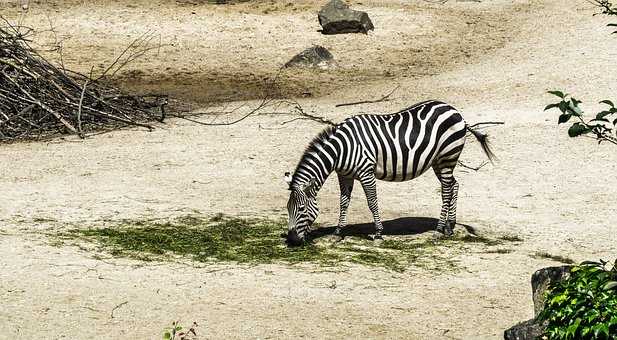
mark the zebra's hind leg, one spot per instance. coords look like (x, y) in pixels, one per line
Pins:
(448, 187)
(346, 186)
(452, 208)
(369, 184)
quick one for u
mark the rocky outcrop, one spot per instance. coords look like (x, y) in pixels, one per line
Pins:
(314, 57)
(540, 281)
(337, 18)
(526, 330)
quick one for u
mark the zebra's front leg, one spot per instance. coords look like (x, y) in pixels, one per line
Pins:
(369, 184)
(447, 185)
(346, 186)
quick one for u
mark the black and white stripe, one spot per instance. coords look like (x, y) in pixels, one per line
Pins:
(396, 147)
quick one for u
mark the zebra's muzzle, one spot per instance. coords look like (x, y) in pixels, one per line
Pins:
(293, 239)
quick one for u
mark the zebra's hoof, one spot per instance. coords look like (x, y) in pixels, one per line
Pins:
(377, 237)
(337, 238)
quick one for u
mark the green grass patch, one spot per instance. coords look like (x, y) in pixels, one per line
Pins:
(218, 239)
(255, 241)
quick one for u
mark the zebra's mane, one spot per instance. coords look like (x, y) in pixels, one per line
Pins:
(314, 147)
(323, 136)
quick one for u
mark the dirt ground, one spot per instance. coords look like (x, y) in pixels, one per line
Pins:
(493, 60)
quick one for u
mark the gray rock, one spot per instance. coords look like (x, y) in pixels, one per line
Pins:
(540, 281)
(314, 57)
(336, 18)
(526, 330)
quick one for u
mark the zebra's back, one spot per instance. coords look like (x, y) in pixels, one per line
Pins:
(403, 145)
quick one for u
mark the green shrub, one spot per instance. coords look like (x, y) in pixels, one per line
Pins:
(583, 306)
(603, 126)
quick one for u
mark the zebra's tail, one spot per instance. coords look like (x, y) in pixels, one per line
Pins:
(483, 139)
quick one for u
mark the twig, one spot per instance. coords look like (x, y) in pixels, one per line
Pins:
(306, 116)
(264, 103)
(605, 5)
(486, 123)
(117, 306)
(472, 168)
(145, 38)
(81, 101)
(382, 99)
(42, 105)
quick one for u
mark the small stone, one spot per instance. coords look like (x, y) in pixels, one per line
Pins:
(337, 18)
(527, 330)
(313, 57)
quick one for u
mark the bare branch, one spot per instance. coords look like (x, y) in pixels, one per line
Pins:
(40, 100)
(471, 167)
(81, 102)
(486, 123)
(306, 116)
(134, 50)
(382, 99)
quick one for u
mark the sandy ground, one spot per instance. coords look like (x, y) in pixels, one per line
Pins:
(494, 60)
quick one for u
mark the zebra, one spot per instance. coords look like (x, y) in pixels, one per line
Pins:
(395, 147)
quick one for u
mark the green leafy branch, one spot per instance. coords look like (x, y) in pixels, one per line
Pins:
(600, 126)
(584, 306)
(175, 332)
(606, 8)
(605, 5)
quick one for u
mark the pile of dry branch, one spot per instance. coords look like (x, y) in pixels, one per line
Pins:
(39, 100)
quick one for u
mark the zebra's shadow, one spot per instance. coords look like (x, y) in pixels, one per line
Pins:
(397, 226)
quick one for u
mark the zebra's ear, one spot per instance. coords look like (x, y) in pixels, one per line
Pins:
(288, 177)
(309, 186)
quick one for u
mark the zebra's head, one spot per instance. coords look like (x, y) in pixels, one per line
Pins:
(302, 209)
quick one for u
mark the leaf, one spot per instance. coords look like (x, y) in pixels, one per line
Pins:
(599, 120)
(603, 114)
(574, 107)
(577, 130)
(563, 107)
(602, 328)
(551, 106)
(557, 93)
(607, 102)
(166, 336)
(610, 285)
(564, 117)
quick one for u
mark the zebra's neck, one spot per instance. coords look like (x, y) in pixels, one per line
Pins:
(318, 161)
